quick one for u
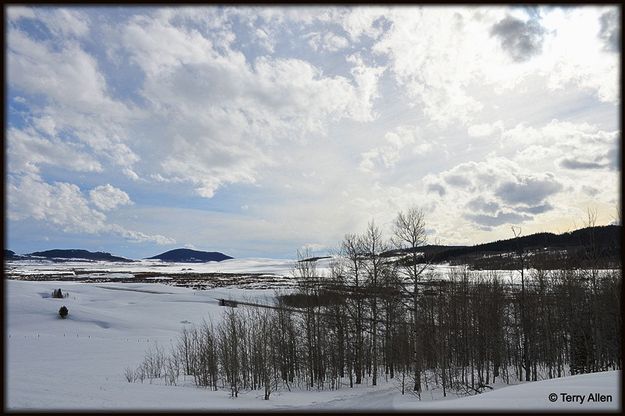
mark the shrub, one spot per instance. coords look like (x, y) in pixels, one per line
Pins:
(57, 294)
(63, 312)
(130, 374)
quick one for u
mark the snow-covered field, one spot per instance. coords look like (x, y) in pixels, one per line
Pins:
(248, 265)
(261, 268)
(79, 362)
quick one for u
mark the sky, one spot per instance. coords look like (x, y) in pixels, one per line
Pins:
(258, 131)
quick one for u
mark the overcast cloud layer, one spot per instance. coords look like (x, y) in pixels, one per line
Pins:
(256, 131)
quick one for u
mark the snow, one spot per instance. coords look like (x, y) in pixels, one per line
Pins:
(535, 395)
(79, 362)
(262, 268)
(248, 265)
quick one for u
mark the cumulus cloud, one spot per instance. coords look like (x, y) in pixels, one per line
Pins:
(328, 41)
(438, 188)
(522, 40)
(364, 21)
(568, 163)
(225, 111)
(61, 204)
(15, 13)
(480, 204)
(485, 129)
(443, 58)
(585, 146)
(107, 197)
(64, 206)
(530, 190)
(64, 22)
(204, 99)
(418, 45)
(494, 192)
(72, 102)
(403, 142)
(585, 65)
(459, 181)
(28, 151)
(538, 209)
(68, 76)
(610, 31)
(499, 219)
(265, 39)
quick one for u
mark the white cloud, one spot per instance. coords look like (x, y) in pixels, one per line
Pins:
(61, 22)
(66, 22)
(223, 112)
(573, 56)
(435, 53)
(207, 98)
(485, 129)
(360, 21)
(495, 191)
(139, 237)
(76, 99)
(64, 206)
(446, 57)
(107, 197)
(327, 41)
(402, 142)
(15, 13)
(265, 40)
(581, 144)
(68, 76)
(61, 204)
(28, 151)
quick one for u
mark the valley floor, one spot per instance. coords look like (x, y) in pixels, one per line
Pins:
(79, 362)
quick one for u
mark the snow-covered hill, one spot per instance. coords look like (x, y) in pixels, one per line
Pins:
(79, 362)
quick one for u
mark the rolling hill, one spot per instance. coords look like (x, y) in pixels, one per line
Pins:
(61, 254)
(185, 255)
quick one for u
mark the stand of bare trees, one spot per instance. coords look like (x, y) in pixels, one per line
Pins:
(377, 316)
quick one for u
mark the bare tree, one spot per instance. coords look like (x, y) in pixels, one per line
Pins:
(521, 256)
(373, 246)
(408, 235)
(352, 251)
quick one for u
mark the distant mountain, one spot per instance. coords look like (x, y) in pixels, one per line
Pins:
(77, 254)
(185, 255)
(10, 255)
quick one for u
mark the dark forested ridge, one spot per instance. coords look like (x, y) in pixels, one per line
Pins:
(185, 255)
(76, 254)
(548, 249)
(10, 255)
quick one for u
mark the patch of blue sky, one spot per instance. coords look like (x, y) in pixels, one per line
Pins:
(84, 180)
(227, 198)
(124, 78)
(34, 28)
(586, 108)
(293, 41)
(27, 236)
(18, 112)
(246, 42)
(22, 100)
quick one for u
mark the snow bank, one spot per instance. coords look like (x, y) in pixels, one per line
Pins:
(575, 393)
(79, 362)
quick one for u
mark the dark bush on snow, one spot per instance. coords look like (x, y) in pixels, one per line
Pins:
(56, 293)
(63, 312)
